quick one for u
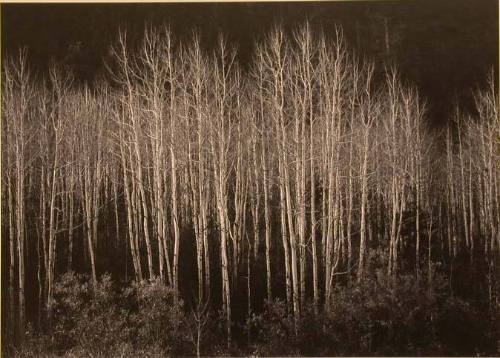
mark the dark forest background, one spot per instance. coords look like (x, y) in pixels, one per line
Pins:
(441, 46)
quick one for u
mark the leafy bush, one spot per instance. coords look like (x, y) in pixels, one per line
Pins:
(380, 316)
(158, 321)
(276, 333)
(384, 316)
(92, 320)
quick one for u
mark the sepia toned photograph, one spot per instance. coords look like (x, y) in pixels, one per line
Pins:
(250, 179)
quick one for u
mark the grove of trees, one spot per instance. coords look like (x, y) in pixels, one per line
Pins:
(309, 173)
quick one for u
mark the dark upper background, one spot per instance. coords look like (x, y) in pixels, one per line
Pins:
(445, 47)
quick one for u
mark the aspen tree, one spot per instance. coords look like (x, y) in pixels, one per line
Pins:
(279, 57)
(270, 55)
(18, 96)
(153, 81)
(172, 78)
(196, 111)
(303, 62)
(10, 142)
(240, 189)
(255, 193)
(125, 76)
(224, 86)
(55, 127)
(332, 82)
(368, 116)
(265, 159)
(132, 228)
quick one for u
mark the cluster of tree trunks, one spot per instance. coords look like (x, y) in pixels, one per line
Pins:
(311, 160)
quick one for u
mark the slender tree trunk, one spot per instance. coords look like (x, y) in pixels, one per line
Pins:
(11, 213)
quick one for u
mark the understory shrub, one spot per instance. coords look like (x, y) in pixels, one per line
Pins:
(382, 315)
(139, 320)
(276, 333)
(158, 321)
(91, 320)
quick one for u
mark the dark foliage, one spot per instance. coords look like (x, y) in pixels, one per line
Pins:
(381, 316)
